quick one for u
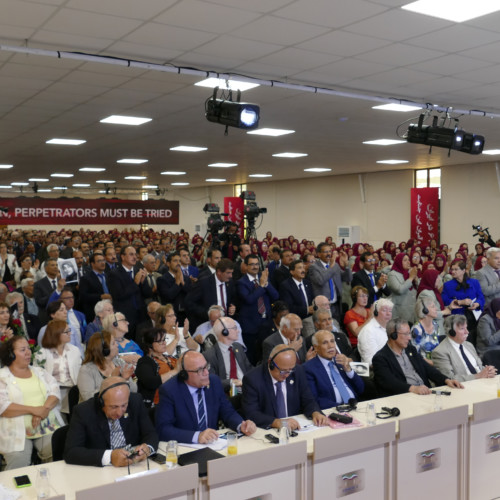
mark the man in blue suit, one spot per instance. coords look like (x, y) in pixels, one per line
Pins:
(297, 291)
(331, 379)
(278, 389)
(192, 402)
(255, 295)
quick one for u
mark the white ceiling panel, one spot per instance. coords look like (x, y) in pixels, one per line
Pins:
(400, 54)
(125, 8)
(26, 14)
(254, 5)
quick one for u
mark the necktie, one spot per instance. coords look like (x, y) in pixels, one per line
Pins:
(303, 295)
(131, 274)
(280, 401)
(498, 273)
(330, 283)
(151, 282)
(202, 418)
(233, 372)
(339, 382)
(372, 281)
(467, 362)
(116, 435)
(54, 286)
(222, 299)
(261, 306)
(102, 278)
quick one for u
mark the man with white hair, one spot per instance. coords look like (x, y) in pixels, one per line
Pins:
(373, 335)
(489, 275)
(320, 302)
(27, 287)
(30, 324)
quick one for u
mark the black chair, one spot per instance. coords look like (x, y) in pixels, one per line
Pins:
(73, 398)
(58, 442)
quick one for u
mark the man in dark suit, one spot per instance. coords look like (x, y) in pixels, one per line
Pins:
(93, 286)
(282, 273)
(30, 324)
(389, 376)
(101, 427)
(73, 246)
(227, 357)
(192, 402)
(331, 378)
(375, 283)
(264, 394)
(129, 289)
(111, 260)
(289, 334)
(44, 288)
(297, 291)
(256, 294)
(213, 258)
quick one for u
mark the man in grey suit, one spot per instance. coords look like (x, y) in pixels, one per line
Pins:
(227, 357)
(456, 358)
(288, 334)
(489, 276)
(326, 276)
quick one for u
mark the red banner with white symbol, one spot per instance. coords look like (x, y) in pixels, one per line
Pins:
(234, 207)
(425, 215)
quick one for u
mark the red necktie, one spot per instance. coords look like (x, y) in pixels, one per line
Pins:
(223, 302)
(233, 373)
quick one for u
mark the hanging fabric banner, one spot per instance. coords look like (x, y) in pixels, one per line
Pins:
(425, 215)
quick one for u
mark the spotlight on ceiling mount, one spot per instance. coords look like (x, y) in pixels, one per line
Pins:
(443, 137)
(35, 187)
(232, 113)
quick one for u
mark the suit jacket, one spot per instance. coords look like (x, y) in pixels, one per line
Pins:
(259, 397)
(177, 417)
(170, 293)
(248, 295)
(32, 323)
(490, 284)
(90, 293)
(290, 293)
(389, 376)
(450, 363)
(213, 355)
(66, 253)
(362, 279)
(274, 340)
(89, 435)
(281, 274)
(42, 292)
(205, 272)
(321, 385)
(320, 277)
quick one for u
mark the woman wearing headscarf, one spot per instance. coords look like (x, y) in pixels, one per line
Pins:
(400, 283)
(488, 329)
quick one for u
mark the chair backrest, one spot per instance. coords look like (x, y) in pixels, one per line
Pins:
(73, 398)
(58, 442)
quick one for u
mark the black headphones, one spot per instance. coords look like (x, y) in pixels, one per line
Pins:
(315, 307)
(100, 397)
(272, 364)
(388, 413)
(106, 350)
(375, 310)
(115, 322)
(425, 311)
(11, 355)
(183, 375)
(394, 334)
(224, 331)
(452, 332)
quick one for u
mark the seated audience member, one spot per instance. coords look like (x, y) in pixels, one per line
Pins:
(488, 277)
(102, 361)
(488, 333)
(155, 367)
(102, 309)
(456, 358)
(117, 325)
(103, 426)
(308, 327)
(264, 395)
(202, 331)
(323, 321)
(373, 336)
(7, 328)
(374, 282)
(178, 339)
(398, 368)
(358, 315)
(425, 333)
(227, 358)
(193, 402)
(28, 288)
(28, 324)
(59, 358)
(28, 399)
(149, 322)
(331, 378)
(289, 334)
(296, 291)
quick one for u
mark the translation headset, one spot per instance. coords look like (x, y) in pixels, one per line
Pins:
(106, 351)
(394, 334)
(375, 310)
(272, 364)
(388, 413)
(315, 307)
(11, 355)
(115, 322)
(101, 394)
(425, 311)
(452, 332)
(224, 331)
(183, 375)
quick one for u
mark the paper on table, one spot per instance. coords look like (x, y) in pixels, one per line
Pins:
(305, 424)
(220, 444)
(8, 494)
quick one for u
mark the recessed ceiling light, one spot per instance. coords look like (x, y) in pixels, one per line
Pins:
(396, 107)
(289, 155)
(273, 132)
(491, 152)
(135, 177)
(223, 165)
(36, 179)
(179, 183)
(384, 142)
(188, 149)
(6, 166)
(44, 190)
(173, 172)
(20, 183)
(125, 120)
(215, 180)
(226, 84)
(92, 169)
(457, 11)
(260, 175)
(134, 161)
(6, 187)
(60, 187)
(66, 142)
(102, 191)
(392, 162)
(61, 175)
(149, 187)
(317, 169)
(105, 182)
(80, 185)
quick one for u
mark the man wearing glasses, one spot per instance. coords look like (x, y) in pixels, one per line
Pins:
(375, 283)
(193, 402)
(278, 389)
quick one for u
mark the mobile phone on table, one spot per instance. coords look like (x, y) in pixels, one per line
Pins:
(22, 481)
(159, 458)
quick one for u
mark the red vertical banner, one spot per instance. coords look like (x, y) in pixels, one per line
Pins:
(425, 214)
(234, 207)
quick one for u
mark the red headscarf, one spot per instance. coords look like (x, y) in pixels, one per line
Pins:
(477, 264)
(428, 282)
(444, 258)
(355, 266)
(398, 265)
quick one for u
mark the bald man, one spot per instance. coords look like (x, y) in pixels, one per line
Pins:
(103, 426)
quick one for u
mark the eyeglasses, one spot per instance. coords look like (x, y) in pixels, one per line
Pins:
(284, 372)
(67, 332)
(162, 341)
(370, 260)
(200, 371)
(123, 319)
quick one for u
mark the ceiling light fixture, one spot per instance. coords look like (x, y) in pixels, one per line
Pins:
(383, 142)
(81, 185)
(215, 180)
(105, 182)
(317, 169)
(173, 172)
(61, 175)
(188, 149)
(92, 169)
(272, 132)
(402, 108)
(179, 183)
(226, 84)
(135, 177)
(36, 179)
(260, 175)
(5, 166)
(457, 11)
(125, 120)
(66, 142)
(223, 165)
(392, 162)
(133, 161)
(290, 155)
(491, 152)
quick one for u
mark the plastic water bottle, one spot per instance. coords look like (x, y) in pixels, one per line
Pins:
(43, 484)
(371, 416)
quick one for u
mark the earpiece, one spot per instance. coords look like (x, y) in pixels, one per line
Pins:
(101, 400)
(315, 307)
(425, 311)
(224, 331)
(106, 351)
(115, 322)
(394, 334)
(183, 375)
(163, 320)
(272, 364)
(375, 310)
(452, 332)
